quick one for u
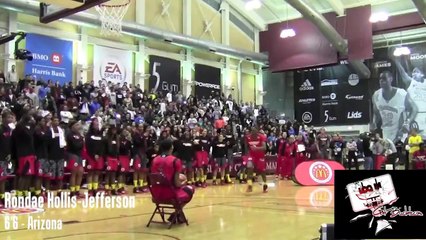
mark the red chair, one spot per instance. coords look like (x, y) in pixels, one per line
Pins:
(156, 182)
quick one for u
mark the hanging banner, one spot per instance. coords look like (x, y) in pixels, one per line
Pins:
(52, 58)
(331, 96)
(307, 97)
(112, 65)
(399, 92)
(207, 81)
(165, 75)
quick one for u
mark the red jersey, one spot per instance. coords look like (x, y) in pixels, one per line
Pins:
(169, 166)
(420, 155)
(256, 141)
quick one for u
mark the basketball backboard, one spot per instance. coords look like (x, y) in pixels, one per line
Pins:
(64, 3)
(53, 10)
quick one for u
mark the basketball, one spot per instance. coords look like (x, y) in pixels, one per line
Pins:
(182, 178)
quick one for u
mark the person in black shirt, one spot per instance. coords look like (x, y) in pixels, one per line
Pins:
(42, 164)
(125, 149)
(186, 153)
(5, 150)
(230, 144)
(202, 146)
(95, 148)
(368, 154)
(220, 150)
(75, 145)
(336, 146)
(112, 147)
(140, 160)
(23, 142)
(56, 153)
(152, 153)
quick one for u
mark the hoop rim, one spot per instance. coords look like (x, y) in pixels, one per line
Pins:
(114, 5)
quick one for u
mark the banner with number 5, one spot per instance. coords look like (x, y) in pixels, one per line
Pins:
(165, 75)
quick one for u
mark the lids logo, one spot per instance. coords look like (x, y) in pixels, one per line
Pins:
(329, 82)
(354, 115)
(56, 58)
(306, 86)
(38, 56)
(320, 172)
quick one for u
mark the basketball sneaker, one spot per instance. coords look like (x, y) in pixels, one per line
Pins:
(265, 188)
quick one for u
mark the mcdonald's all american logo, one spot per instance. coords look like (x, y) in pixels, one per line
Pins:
(20, 211)
(113, 70)
(320, 172)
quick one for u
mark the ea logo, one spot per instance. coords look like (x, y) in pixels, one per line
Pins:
(56, 58)
(307, 117)
(113, 70)
(320, 172)
(353, 79)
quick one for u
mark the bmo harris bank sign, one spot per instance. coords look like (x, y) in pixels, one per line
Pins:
(52, 58)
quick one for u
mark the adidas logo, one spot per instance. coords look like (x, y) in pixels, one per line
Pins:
(306, 86)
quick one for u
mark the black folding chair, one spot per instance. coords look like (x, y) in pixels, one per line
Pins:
(159, 181)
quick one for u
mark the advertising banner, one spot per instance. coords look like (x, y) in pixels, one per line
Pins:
(207, 81)
(398, 91)
(112, 65)
(165, 75)
(307, 97)
(52, 58)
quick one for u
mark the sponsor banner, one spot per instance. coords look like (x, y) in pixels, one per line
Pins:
(52, 58)
(316, 173)
(112, 65)
(307, 97)
(207, 81)
(341, 97)
(378, 205)
(398, 92)
(165, 75)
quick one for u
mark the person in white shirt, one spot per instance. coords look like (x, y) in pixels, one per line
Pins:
(393, 108)
(162, 108)
(12, 76)
(416, 88)
(169, 96)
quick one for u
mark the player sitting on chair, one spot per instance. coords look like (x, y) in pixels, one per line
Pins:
(171, 167)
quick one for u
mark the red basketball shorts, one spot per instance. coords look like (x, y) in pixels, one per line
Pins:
(26, 165)
(124, 163)
(112, 164)
(95, 165)
(201, 158)
(258, 161)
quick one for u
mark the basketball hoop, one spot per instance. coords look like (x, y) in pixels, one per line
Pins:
(112, 15)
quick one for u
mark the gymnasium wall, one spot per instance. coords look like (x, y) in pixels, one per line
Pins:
(206, 24)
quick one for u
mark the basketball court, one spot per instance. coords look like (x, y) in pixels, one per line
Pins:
(287, 211)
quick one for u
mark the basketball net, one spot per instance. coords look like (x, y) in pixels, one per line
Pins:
(112, 17)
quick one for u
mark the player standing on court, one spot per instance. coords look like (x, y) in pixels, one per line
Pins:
(256, 143)
(56, 153)
(95, 155)
(112, 145)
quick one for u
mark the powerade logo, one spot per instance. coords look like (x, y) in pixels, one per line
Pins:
(208, 85)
